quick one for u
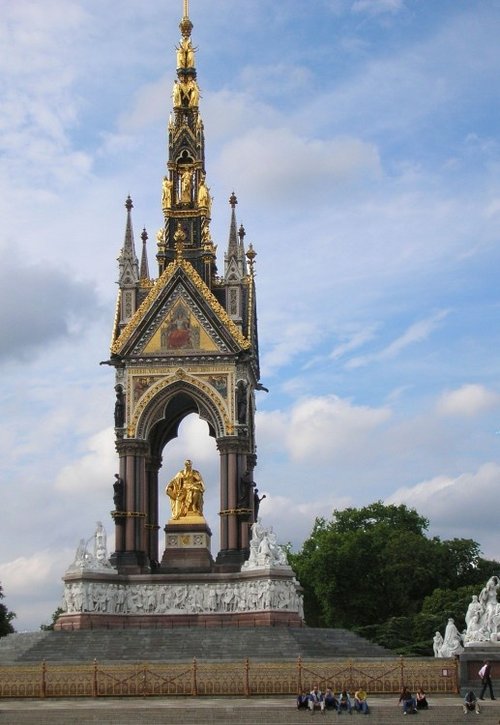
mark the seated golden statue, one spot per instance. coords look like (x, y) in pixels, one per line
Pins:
(185, 491)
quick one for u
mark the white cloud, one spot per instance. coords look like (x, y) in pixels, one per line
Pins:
(92, 471)
(32, 586)
(294, 337)
(151, 104)
(416, 333)
(355, 341)
(282, 166)
(459, 506)
(468, 400)
(317, 429)
(377, 7)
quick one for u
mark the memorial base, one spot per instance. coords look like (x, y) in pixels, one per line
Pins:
(108, 600)
(187, 548)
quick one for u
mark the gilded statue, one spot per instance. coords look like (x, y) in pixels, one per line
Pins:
(185, 491)
(166, 197)
(186, 177)
(177, 94)
(185, 54)
(203, 194)
(194, 94)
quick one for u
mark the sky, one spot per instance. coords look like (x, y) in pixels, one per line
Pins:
(361, 138)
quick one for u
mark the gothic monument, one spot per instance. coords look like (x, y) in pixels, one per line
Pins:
(184, 342)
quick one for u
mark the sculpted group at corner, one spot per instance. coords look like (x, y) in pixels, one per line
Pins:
(482, 621)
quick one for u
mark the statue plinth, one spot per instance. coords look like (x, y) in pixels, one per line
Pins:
(187, 545)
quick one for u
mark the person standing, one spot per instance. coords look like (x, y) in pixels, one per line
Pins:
(485, 675)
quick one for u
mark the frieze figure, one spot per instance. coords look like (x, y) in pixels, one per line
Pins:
(255, 595)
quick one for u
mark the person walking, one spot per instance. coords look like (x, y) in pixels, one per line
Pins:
(485, 675)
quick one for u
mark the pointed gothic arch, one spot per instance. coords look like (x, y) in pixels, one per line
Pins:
(171, 401)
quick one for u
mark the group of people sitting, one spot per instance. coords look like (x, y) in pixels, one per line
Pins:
(413, 704)
(328, 701)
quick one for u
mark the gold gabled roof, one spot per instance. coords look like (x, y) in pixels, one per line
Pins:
(156, 292)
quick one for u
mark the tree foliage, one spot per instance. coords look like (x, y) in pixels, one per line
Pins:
(6, 617)
(376, 570)
(55, 617)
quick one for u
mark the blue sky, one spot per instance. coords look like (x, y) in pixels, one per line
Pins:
(361, 138)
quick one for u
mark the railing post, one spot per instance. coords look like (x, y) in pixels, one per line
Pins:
(350, 675)
(401, 673)
(94, 679)
(195, 684)
(247, 679)
(44, 682)
(299, 675)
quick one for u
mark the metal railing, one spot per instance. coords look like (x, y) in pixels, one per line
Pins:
(237, 678)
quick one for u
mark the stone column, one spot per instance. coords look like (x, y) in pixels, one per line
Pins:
(152, 527)
(234, 545)
(223, 501)
(132, 557)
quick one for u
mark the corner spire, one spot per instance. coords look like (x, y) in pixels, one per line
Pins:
(129, 265)
(232, 247)
(144, 268)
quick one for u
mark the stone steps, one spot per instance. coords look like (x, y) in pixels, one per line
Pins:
(279, 711)
(182, 644)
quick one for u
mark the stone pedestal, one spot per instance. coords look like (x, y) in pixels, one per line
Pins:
(187, 546)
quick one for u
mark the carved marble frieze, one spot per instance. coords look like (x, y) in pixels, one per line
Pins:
(255, 595)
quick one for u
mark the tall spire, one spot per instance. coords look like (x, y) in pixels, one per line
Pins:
(186, 199)
(234, 259)
(129, 272)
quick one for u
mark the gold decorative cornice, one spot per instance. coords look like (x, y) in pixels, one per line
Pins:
(156, 291)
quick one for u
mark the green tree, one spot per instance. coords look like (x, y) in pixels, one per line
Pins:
(6, 617)
(376, 564)
(55, 616)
